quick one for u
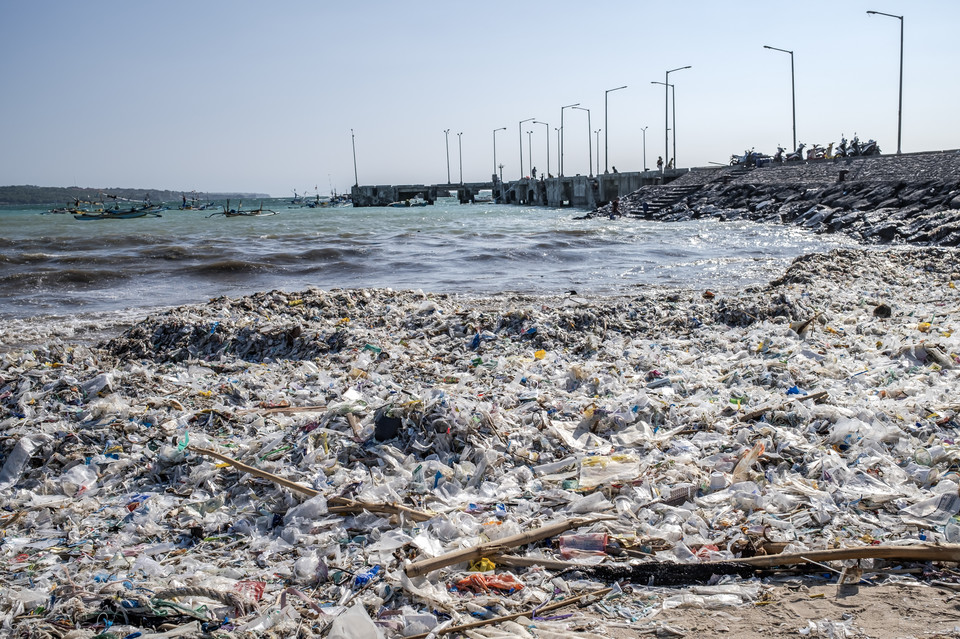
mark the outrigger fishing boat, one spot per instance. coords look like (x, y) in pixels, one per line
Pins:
(149, 210)
(239, 212)
(80, 206)
(144, 209)
(194, 203)
(414, 201)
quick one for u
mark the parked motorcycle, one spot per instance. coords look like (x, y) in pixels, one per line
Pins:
(797, 155)
(870, 147)
(778, 158)
(854, 149)
(817, 152)
(841, 151)
(749, 158)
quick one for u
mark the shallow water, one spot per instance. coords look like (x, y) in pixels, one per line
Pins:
(54, 268)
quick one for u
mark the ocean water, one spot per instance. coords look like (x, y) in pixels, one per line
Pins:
(57, 272)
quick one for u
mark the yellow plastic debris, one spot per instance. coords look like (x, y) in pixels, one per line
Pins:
(482, 565)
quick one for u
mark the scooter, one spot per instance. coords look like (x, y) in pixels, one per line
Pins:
(870, 147)
(796, 155)
(817, 152)
(778, 158)
(749, 158)
(841, 151)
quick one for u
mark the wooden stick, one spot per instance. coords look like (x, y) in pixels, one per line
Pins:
(526, 562)
(355, 425)
(797, 398)
(281, 409)
(286, 483)
(342, 504)
(497, 547)
(516, 615)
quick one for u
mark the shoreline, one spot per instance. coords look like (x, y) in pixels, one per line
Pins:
(496, 415)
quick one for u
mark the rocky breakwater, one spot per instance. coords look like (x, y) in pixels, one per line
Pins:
(911, 198)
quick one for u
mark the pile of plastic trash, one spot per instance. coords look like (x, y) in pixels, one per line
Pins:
(289, 464)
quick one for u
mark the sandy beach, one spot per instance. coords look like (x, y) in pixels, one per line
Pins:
(816, 412)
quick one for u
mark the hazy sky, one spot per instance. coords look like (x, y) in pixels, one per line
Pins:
(239, 95)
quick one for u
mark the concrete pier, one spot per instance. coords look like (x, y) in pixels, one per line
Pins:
(579, 191)
(384, 195)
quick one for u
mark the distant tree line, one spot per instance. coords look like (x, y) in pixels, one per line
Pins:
(52, 195)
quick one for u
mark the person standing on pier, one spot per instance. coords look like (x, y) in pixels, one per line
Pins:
(660, 163)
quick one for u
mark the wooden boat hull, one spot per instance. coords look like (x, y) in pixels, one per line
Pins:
(119, 215)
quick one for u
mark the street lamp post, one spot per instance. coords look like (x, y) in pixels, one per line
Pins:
(353, 141)
(520, 131)
(546, 135)
(606, 136)
(557, 129)
(793, 91)
(446, 136)
(589, 141)
(562, 133)
(530, 150)
(900, 103)
(503, 128)
(666, 115)
(673, 94)
(598, 150)
(460, 147)
(644, 131)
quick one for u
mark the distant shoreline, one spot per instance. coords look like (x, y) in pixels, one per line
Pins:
(28, 194)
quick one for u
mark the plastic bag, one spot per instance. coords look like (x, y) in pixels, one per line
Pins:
(355, 623)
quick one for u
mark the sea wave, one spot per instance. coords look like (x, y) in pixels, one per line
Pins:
(53, 263)
(223, 266)
(11, 282)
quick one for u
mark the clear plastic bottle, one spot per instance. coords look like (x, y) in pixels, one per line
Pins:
(583, 544)
(951, 532)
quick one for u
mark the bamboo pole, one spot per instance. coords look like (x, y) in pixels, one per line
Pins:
(341, 504)
(497, 547)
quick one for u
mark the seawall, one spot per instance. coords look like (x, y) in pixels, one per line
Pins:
(912, 198)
